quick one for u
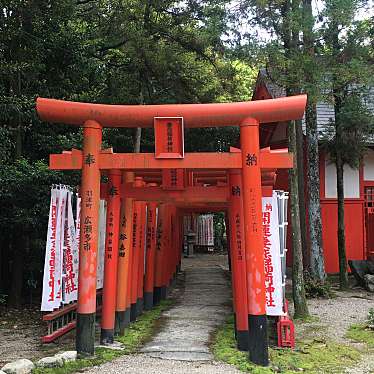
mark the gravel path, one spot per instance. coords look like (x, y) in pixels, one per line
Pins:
(335, 316)
(182, 344)
(144, 364)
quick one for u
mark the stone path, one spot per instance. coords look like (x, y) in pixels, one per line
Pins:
(188, 326)
(182, 344)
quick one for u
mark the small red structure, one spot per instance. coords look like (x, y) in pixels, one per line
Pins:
(176, 187)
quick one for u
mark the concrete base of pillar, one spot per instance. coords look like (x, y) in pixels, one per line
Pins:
(258, 340)
(106, 336)
(148, 300)
(164, 292)
(156, 295)
(242, 340)
(85, 335)
(122, 321)
(139, 306)
(133, 311)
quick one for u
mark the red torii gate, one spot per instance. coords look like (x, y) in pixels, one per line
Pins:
(168, 120)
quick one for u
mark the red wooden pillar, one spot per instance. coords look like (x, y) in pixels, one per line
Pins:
(238, 265)
(166, 243)
(90, 193)
(135, 245)
(141, 249)
(159, 254)
(180, 241)
(149, 281)
(135, 258)
(124, 260)
(254, 246)
(111, 258)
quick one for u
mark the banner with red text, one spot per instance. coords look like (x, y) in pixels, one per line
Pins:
(273, 268)
(52, 278)
(71, 256)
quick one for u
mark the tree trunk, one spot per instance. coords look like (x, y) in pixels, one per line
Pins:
(290, 40)
(298, 290)
(343, 274)
(301, 187)
(137, 140)
(317, 262)
(21, 244)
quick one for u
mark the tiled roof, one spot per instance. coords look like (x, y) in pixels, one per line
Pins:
(325, 110)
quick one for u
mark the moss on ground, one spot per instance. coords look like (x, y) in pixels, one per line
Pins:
(315, 356)
(360, 332)
(135, 336)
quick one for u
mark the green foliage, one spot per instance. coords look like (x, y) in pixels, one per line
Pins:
(315, 288)
(3, 298)
(361, 332)
(135, 336)
(309, 356)
(224, 349)
(115, 52)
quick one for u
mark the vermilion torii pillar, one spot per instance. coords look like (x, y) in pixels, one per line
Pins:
(171, 119)
(254, 244)
(238, 263)
(90, 195)
(124, 260)
(111, 258)
(149, 281)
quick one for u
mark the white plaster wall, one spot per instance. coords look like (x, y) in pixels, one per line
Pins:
(369, 166)
(351, 181)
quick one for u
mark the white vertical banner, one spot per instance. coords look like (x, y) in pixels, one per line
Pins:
(211, 230)
(48, 295)
(61, 208)
(273, 268)
(101, 245)
(70, 256)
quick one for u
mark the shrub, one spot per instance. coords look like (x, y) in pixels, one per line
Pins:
(315, 288)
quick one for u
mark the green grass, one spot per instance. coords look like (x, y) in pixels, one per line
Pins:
(135, 336)
(309, 356)
(361, 333)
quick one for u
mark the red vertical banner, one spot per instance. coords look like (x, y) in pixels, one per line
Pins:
(90, 194)
(238, 265)
(111, 257)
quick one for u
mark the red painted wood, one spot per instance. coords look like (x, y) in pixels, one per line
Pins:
(169, 137)
(354, 219)
(194, 115)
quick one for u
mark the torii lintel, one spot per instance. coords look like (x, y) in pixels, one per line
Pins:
(194, 115)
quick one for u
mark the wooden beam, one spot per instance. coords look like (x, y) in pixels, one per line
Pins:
(146, 161)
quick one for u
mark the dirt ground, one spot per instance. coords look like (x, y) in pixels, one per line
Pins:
(20, 332)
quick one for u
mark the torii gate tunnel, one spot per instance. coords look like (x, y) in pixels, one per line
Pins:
(175, 182)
